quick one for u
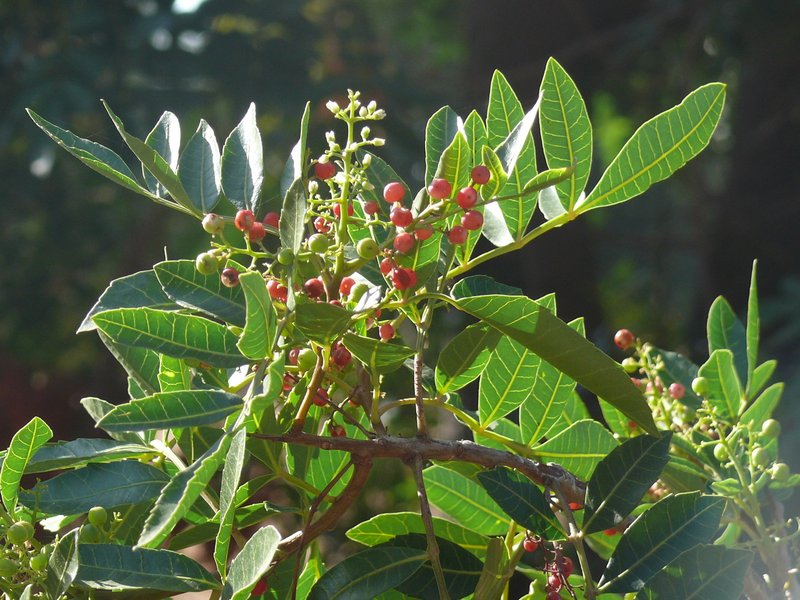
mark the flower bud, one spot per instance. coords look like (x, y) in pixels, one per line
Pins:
(365, 131)
(333, 106)
(379, 141)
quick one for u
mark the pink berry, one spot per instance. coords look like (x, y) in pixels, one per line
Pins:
(337, 210)
(423, 233)
(244, 220)
(440, 189)
(530, 545)
(404, 278)
(324, 170)
(321, 225)
(314, 288)
(229, 277)
(467, 198)
(371, 207)
(257, 232)
(394, 192)
(281, 293)
(346, 285)
(472, 220)
(404, 242)
(341, 356)
(387, 264)
(386, 331)
(624, 338)
(457, 235)
(480, 175)
(272, 219)
(321, 397)
(272, 287)
(293, 354)
(677, 390)
(401, 217)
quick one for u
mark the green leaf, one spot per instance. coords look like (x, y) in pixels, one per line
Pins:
(724, 389)
(726, 332)
(109, 485)
(62, 566)
(378, 356)
(673, 525)
(368, 573)
(80, 452)
(497, 179)
(180, 494)
(98, 408)
(142, 365)
(481, 285)
(621, 479)
(199, 168)
(116, 567)
(465, 501)
(131, 291)
(174, 374)
(706, 572)
(761, 409)
(544, 183)
(380, 529)
(167, 410)
(423, 258)
(439, 133)
(153, 162)
(261, 325)
(295, 166)
(321, 322)
(181, 336)
(293, 216)
(659, 147)
(506, 381)
(521, 500)
(251, 563)
(165, 139)
(455, 163)
(761, 375)
(243, 162)
(753, 327)
(475, 131)
(504, 110)
(578, 448)
(23, 446)
(539, 330)
(465, 357)
(231, 473)
(191, 289)
(566, 131)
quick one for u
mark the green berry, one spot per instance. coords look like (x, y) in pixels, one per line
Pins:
(700, 386)
(780, 471)
(8, 568)
(771, 428)
(206, 263)
(20, 532)
(98, 516)
(367, 248)
(720, 452)
(306, 359)
(759, 457)
(357, 291)
(630, 365)
(318, 243)
(39, 562)
(213, 224)
(89, 534)
(286, 256)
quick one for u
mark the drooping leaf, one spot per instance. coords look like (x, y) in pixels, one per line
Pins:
(726, 332)
(109, 485)
(98, 408)
(293, 216)
(481, 285)
(659, 147)
(465, 357)
(167, 410)
(62, 566)
(368, 573)
(753, 327)
(80, 452)
(540, 331)
(243, 162)
(566, 131)
(578, 448)
(261, 323)
(165, 139)
(506, 381)
(251, 563)
(321, 322)
(142, 365)
(187, 287)
(724, 388)
(673, 525)
(294, 168)
(22, 448)
(181, 336)
(199, 168)
(117, 567)
(621, 479)
(439, 133)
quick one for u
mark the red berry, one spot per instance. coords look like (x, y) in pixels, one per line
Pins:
(553, 595)
(632, 424)
(611, 531)
(554, 582)
(321, 397)
(467, 198)
(567, 566)
(314, 288)
(480, 174)
(281, 293)
(341, 356)
(288, 382)
(336, 430)
(472, 220)
(272, 287)
(677, 390)
(530, 545)
(404, 242)
(394, 192)
(624, 338)
(457, 235)
(229, 277)
(260, 588)
(346, 285)
(371, 207)
(293, 353)
(401, 217)
(387, 264)
(404, 278)
(321, 225)
(440, 189)
(423, 233)
(272, 219)
(575, 506)
(244, 220)
(337, 210)
(257, 232)
(386, 331)
(324, 170)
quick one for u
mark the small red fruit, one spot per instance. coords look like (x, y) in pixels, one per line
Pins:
(272, 219)
(423, 233)
(325, 170)
(314, 288)
(467, 198)
(567, 566)
(272, 287)
(553, 595)
(624, 339)
(341, 356)
(229, 277)
(401, 217)
(288, 382)
(293, 353)
(611, 532)
(632, 424)
(575, 506)
(530, 545)
(457, 235)
(281, 293)
(346, 285)
(257, 232)
(337, 210)
(337, 430)
(404, 278)
(244, 220)
(554, 582)
(440, 189)
(480, 175)
(321, 225)
(260, 588)
(371, 207)
(472, 220)
(321, 397)
(394, 192)
(404, 242)
(386, 331)
(677, 390)
(387, 264)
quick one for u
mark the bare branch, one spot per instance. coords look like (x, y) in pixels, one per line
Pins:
(427, 519)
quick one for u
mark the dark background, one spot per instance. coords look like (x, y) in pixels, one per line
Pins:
(653, 265)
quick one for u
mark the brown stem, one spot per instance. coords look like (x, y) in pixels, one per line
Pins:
(427, 519)
(311, 391)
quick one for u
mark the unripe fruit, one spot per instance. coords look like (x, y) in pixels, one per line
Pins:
(771, 428)
(341, 356)
(244, 220)
(480, 175)
(759, 457)
(285, 256)
(272, 219)
(367, 248)
(472, 220)
(630, 365)
(314, 288)
(89, 534)
(394, 192)
(337, 210)
(371, 207)
(306, 359)
(423, 233)
(403, 278)
(440, 189)
(401, 217)
(404, 242)
(624, 339)
(318, 243)
(467, 198)
(229, 277)
(387, 264)
(386, 331)
(20, 532)
(213, 223)
(457, 235)
(346, 285)
(98, 516)
(39, 562)
(321, 225)
(8, 568)
(206, 263)
(324, 170)
(677, 390)
(780, 471)
(700, 386)
(720, 452)
(357, 291)
(530, 545)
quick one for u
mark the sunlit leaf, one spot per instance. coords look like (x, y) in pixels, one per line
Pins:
(578, 448)
(243, 162)
(165, 139)
(22, 448)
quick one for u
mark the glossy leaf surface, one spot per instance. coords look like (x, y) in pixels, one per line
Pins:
(243, 162)
(199, 168)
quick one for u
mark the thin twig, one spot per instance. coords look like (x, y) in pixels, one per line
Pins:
(311, 392)
(427, 519)
(576, 537)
